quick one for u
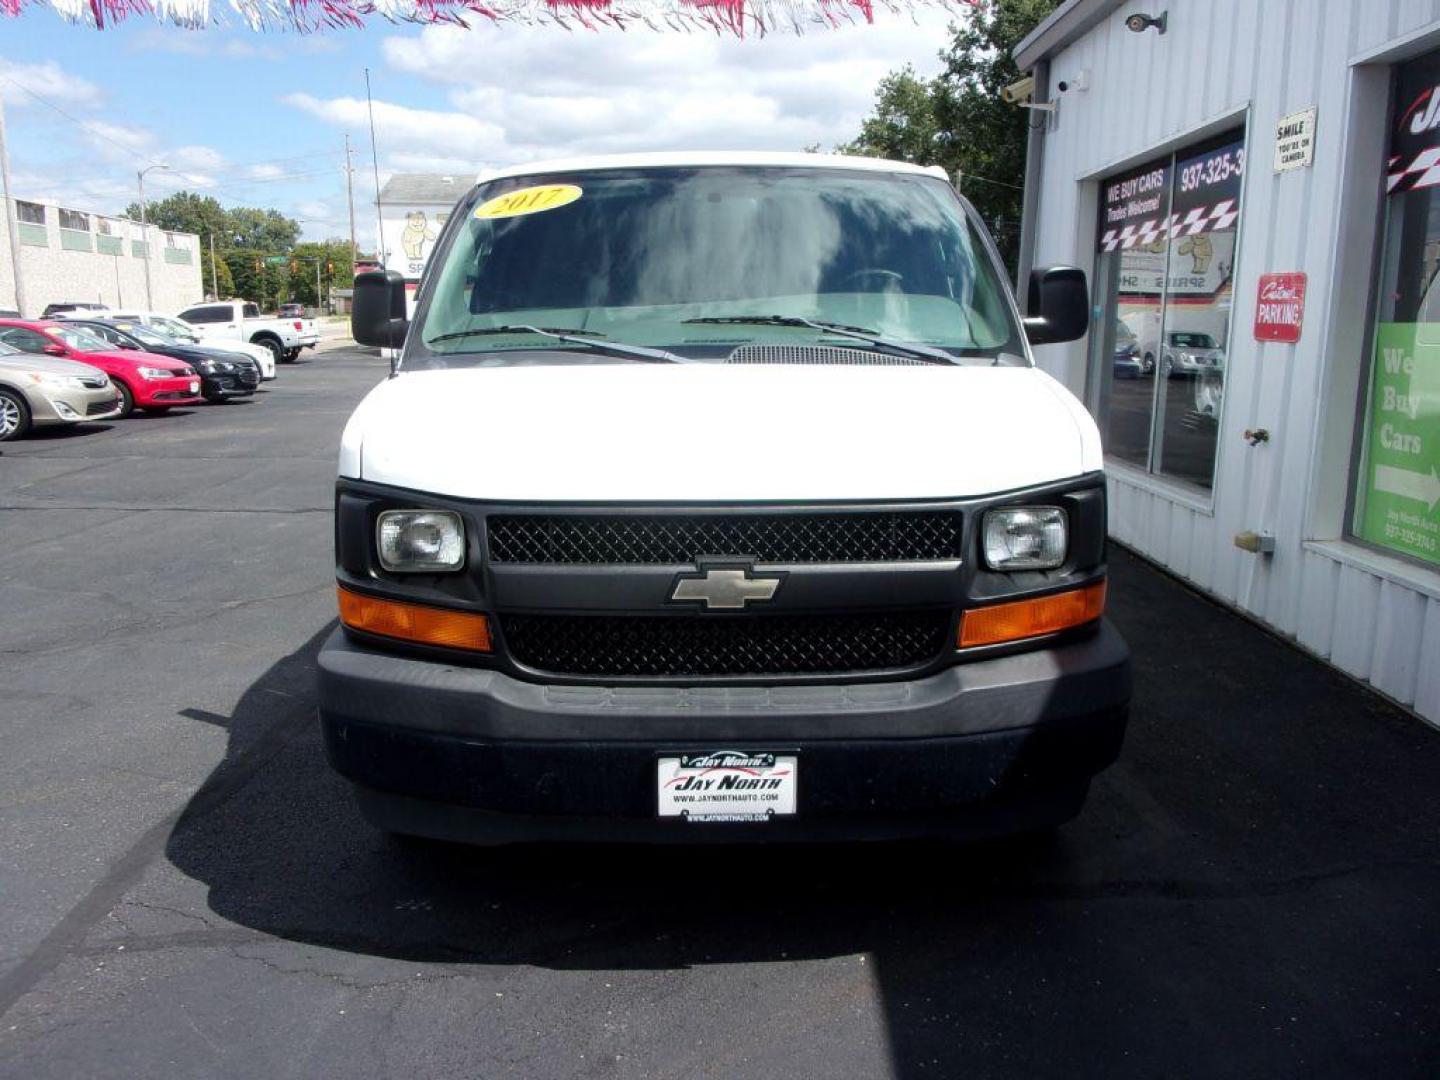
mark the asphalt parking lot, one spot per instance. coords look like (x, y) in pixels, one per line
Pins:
(1254, 890)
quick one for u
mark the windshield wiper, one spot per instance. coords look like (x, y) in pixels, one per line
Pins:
(566, 334)
(859, 333)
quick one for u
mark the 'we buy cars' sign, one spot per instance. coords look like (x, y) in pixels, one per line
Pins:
(1280, 307)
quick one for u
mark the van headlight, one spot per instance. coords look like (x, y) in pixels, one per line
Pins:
(420, 541)
(1031, 538)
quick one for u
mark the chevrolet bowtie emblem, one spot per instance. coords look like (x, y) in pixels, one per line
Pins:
(725, 589)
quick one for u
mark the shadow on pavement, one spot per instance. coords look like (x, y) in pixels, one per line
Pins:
(1252, 890)
(62, 432)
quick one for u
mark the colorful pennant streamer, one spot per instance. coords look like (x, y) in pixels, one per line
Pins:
(737, 17)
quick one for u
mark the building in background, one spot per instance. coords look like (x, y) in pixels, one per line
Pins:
(73, 255)
(413, 209)
(1254, 190)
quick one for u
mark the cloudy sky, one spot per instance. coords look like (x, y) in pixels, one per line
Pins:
(261, 119)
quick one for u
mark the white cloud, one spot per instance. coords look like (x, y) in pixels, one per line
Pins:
(407, 130)
(522, 94)
(49, 80)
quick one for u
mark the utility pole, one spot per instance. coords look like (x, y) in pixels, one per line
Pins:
(145, 230)
(317, 285)
(350, 198)
(214, 277)
(12, 226)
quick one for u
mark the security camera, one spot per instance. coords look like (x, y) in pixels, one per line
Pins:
(1140, 22)
(1080, 81)
(1018, 91)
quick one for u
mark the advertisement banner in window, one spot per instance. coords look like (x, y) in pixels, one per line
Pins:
(1134, 208)
(1402, 474)
(1415, 137)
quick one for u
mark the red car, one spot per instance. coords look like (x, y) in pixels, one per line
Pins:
(145, 380)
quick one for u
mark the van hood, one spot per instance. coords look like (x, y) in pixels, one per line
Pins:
(700, 433)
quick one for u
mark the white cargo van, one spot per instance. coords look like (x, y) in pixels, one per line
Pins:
(716, 497)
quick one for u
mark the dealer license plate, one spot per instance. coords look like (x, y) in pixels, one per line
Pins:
(728, 785)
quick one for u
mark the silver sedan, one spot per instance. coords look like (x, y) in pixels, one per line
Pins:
(40, 391)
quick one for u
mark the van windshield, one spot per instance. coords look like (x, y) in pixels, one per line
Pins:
(702, 261)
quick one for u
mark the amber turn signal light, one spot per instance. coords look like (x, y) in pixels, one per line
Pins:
(414, 622)
(1022, 619)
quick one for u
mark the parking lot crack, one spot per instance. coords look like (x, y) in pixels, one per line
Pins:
(411, 977)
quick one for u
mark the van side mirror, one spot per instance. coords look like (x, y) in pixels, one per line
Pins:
(378, 313)
(1058, 306)
(55, 350)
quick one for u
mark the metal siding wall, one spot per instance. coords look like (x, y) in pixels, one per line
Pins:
(1146, 92)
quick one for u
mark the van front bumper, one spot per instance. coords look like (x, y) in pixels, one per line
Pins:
(984, 747)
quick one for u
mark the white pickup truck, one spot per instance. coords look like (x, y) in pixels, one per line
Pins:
(240, 320)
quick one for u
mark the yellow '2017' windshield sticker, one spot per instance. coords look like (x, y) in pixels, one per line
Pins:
(530, 200)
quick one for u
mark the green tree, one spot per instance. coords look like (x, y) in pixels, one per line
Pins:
(186, 211)
(267, 230)
(257, 279)
(903, 125)
(959, 121)
(333, 256)
(222, 284)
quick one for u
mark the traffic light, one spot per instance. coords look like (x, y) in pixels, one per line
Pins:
(294, 267)
(258, 264)
(330, 269)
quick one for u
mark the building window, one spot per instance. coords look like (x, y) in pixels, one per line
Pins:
(73, 219)
(1395, 492)
(1164, 275)
(29, 212)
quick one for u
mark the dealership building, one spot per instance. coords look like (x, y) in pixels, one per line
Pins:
(1254, 192)
(74, 255)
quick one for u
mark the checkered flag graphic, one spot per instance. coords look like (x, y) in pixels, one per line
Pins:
(1422, 171)
(1201, 219)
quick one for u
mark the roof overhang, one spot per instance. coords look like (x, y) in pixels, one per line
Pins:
(1069, 21)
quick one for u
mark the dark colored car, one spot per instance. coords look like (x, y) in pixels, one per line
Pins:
(223, 374)
(65, 307)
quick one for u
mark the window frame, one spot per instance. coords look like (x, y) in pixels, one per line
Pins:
(1365, 376)
(1212, 136)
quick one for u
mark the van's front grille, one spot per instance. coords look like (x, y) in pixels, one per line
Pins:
(658, 646)
(860, 536)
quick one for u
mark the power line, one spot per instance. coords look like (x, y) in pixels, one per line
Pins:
(258, 179)
(965, 177)
(75, 119)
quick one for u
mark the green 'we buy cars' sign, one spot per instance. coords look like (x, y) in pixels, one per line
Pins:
(1400, 482)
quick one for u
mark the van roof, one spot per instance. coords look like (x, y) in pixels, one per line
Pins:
(681, 159)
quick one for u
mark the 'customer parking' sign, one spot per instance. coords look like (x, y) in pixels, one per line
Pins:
(1280, 307)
